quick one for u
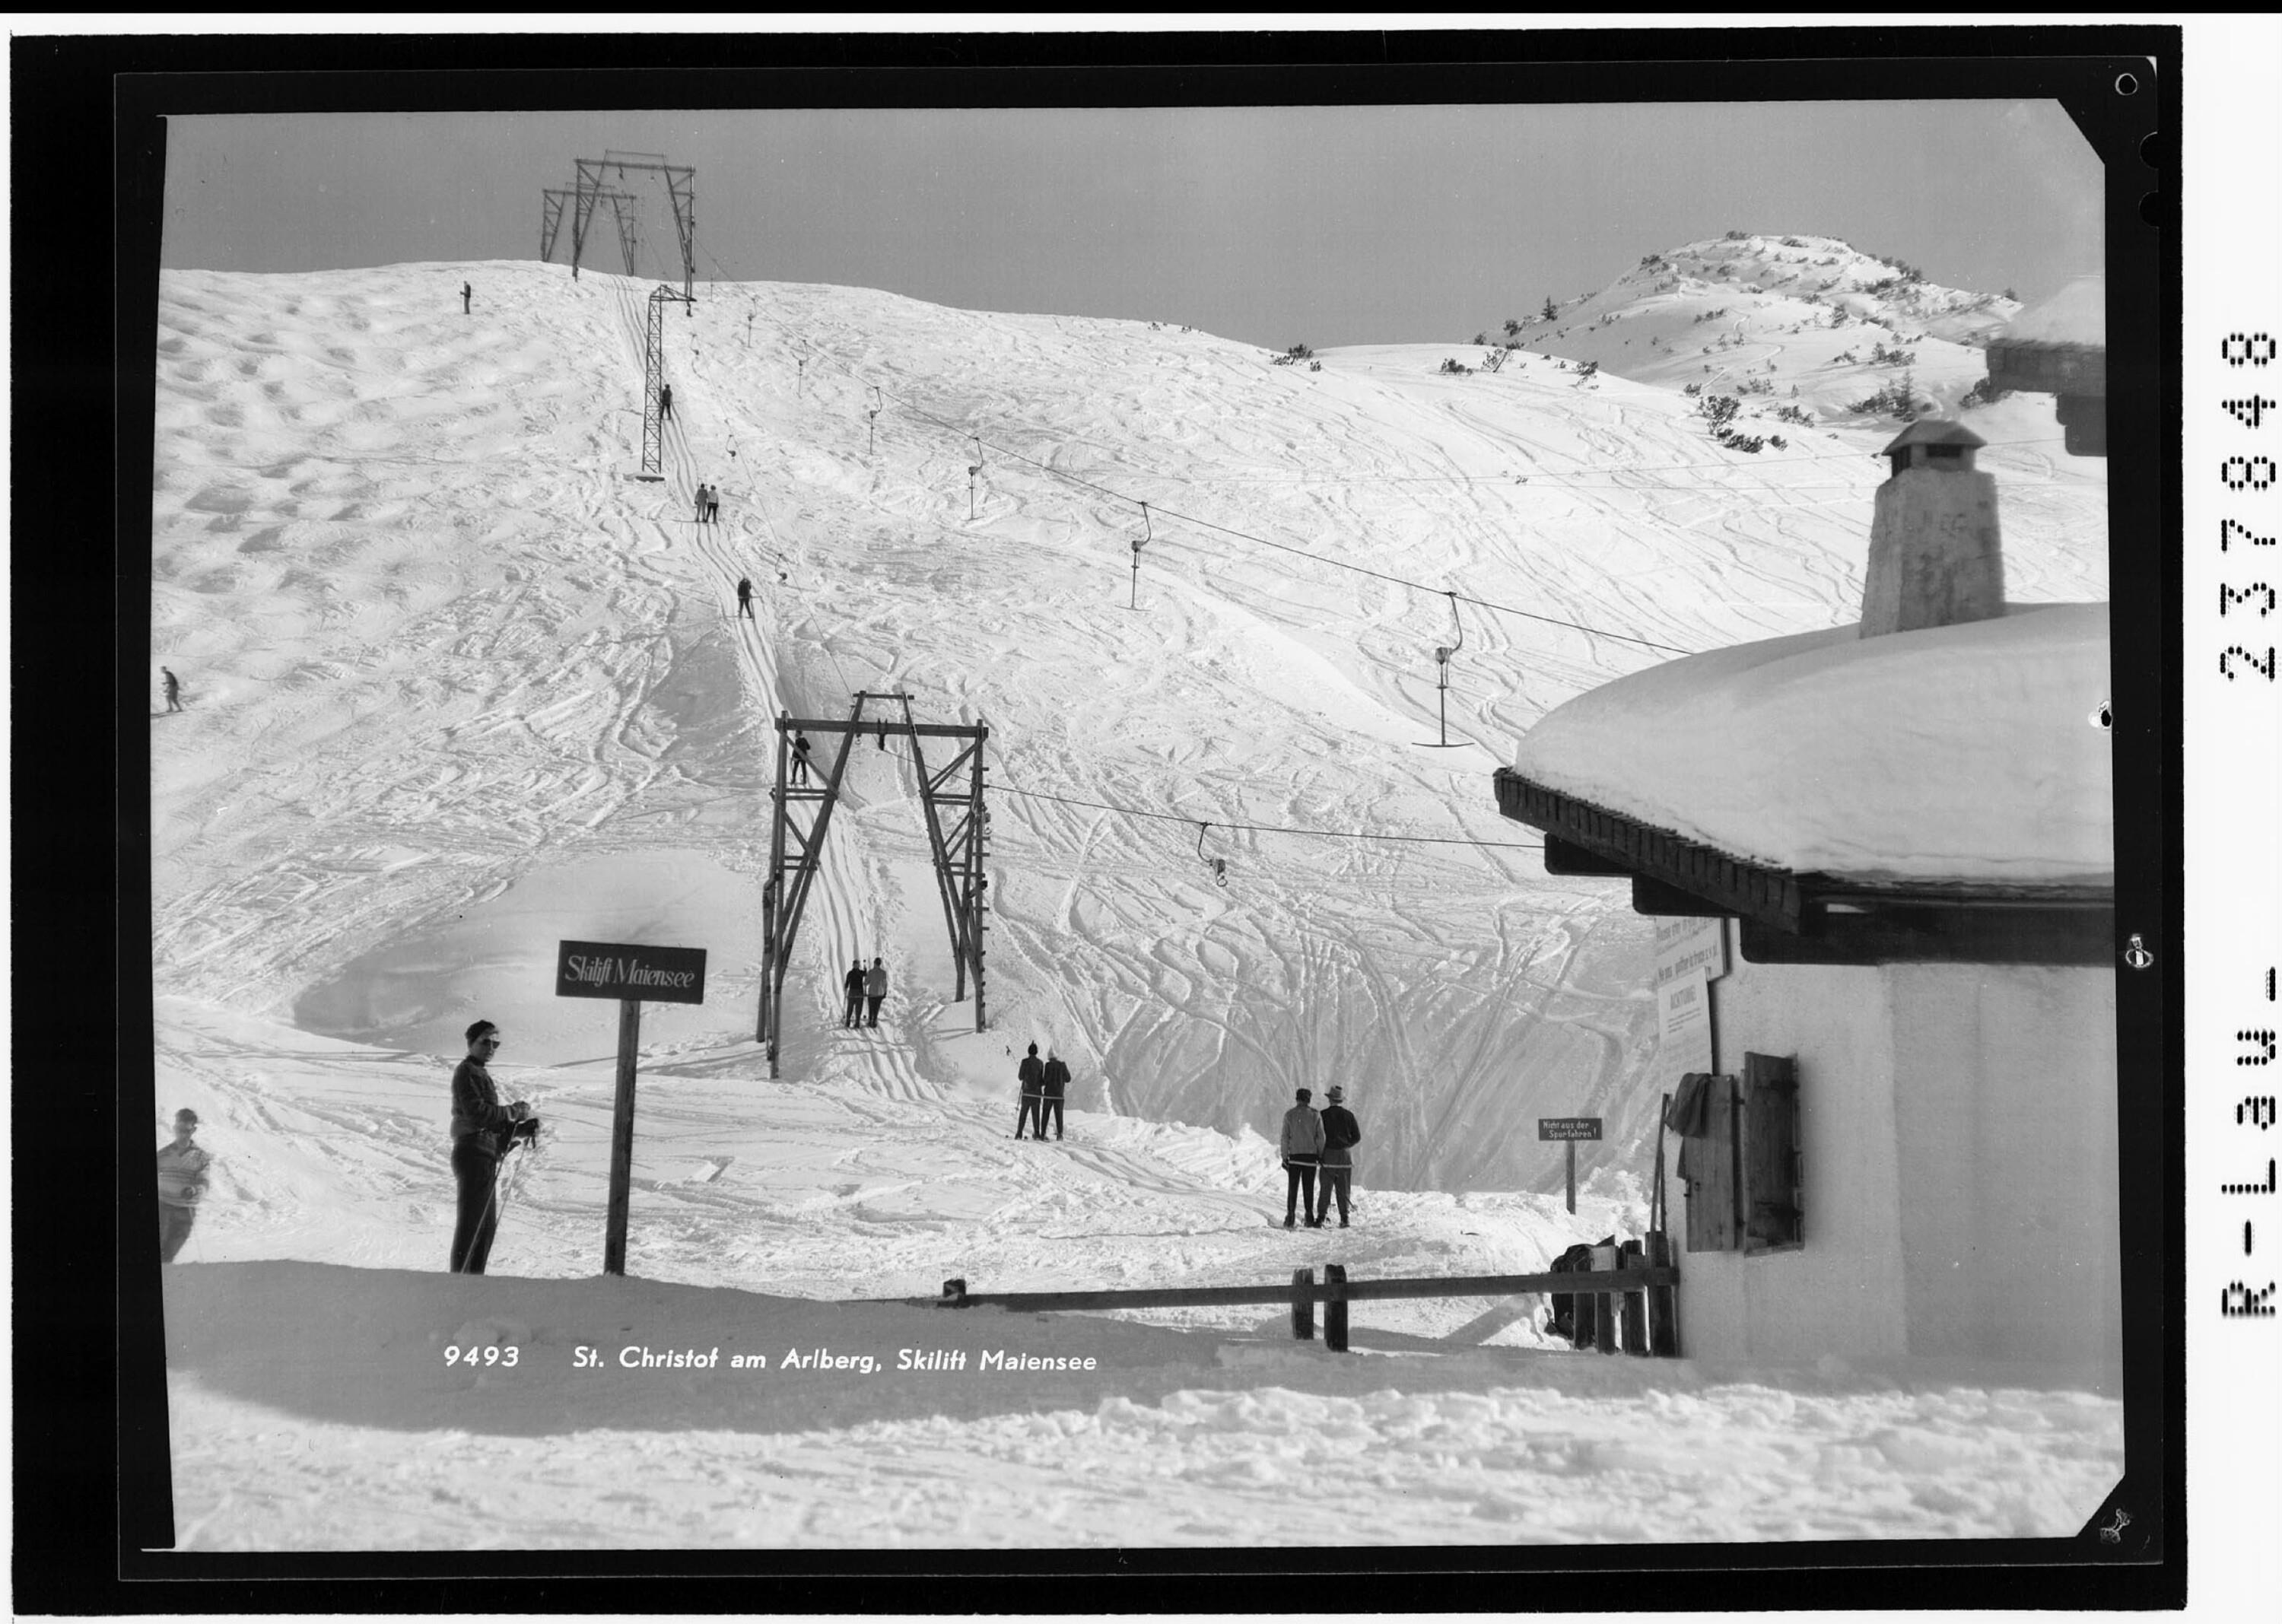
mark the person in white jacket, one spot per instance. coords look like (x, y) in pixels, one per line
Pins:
(1303, 1147)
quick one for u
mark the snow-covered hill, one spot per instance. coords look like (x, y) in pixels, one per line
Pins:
(451, 667)
(459, 688)
(1809, 323)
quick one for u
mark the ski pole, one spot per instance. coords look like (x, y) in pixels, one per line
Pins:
(491, 1205)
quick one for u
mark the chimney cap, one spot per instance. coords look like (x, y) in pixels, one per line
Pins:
(1934, 431)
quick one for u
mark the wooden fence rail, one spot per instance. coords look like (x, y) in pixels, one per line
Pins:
(1657, 1283)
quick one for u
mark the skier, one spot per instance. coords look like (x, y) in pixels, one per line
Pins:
(853, 982)
(875, 988)
(174, 689)
(700, 504)
(800, 759)
(713, 502)
(1303, 1144)
(466, 293)
(1340, 1132)
(664, 401)
(1056, 1079)
(745, 596)
(182, 1185)
(1032, 1075)
(481, 1129)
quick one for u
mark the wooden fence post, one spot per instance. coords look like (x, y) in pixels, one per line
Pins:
(1303, 1305)
(1663, 1302)
(1633, 1325)
(1335, 1307)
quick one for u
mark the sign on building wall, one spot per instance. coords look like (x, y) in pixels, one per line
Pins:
(1684, 946)
(1683, 1010)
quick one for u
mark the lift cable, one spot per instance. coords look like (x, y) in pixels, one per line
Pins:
(1268, 828)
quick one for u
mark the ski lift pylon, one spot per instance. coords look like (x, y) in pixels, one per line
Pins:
(1133, 600)
(1442, 653)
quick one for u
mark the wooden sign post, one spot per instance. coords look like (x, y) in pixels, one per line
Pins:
(628, 972)
(1571, 1129)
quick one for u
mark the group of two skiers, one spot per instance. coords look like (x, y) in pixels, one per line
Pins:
(1316, 1143)
(864, 987)
(709, 505)
(1043, 1083)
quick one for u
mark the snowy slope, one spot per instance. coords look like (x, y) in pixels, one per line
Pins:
(459, 688)
(396, 546)
(1801, 320)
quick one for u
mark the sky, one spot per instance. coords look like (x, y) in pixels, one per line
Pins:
(1282, 225)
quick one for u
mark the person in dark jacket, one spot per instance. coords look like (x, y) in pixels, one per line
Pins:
(1050, 1090)
(466, 293)
(1032, 1075)
(174, 689)
(875, 990)
(665, 401)
(182, 1185)
(800, 748)
(1303, 1147)
(745, 596)
(1341, 1133)
(481, 1130)
(852, 984)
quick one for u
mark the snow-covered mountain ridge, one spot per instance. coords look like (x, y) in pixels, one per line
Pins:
(1809, 321)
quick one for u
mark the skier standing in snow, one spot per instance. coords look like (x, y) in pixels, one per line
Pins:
(481, 1131)
(800, 759)
(875, 990)
(853, 983)
(713, 502)
(664, 401)
(1303, 1146)
(1056, 1079)
(174, 689)
(466, 293)
(745, 596)
(182, 1185)
(1340, 1132)
(700, 514)
(1032, 1075)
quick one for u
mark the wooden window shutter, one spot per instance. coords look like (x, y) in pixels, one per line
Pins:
(1713, 1182)
(1772, 1206)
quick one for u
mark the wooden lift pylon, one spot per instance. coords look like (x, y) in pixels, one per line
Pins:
(796, 853)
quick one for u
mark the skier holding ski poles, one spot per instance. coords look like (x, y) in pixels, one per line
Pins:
(482, 1130)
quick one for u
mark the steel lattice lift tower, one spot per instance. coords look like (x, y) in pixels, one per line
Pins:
(957, 824)
(680, 187)
(550, 222)
(653, 462)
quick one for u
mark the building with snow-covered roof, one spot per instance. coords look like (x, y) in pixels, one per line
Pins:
(1884, 867)
(2059, 347)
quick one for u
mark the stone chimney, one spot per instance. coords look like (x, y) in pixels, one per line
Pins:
(1936, 555)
